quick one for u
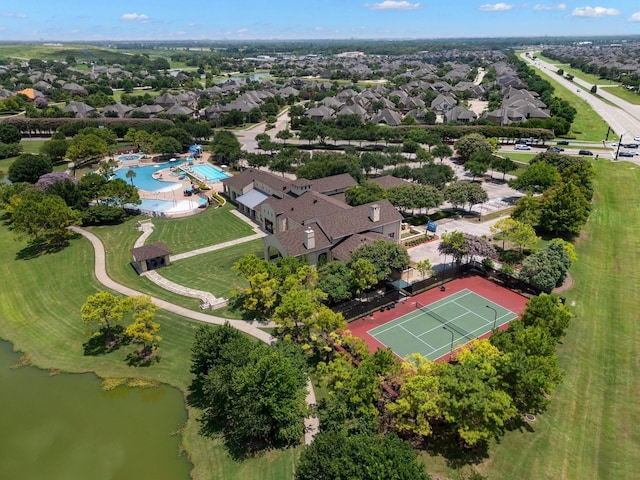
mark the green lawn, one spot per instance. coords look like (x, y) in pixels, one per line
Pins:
(212, 271)
(210, 227)
(590, 430)
(40, 314)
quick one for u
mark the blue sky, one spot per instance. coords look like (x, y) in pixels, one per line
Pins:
(69, 20)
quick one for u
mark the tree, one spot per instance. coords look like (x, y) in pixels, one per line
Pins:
(252, 392)
(29, 168)
(454, 244)
(364, 193)
(419, 402)
(424, 267)
(86, 147)
(55, 149)
(364, 456)
(564, 210)
(475, 168)
(43, 219)
(9, 133)
(409, 196)
(301, 317)
(537, 178)
(503, 165)
(547, 268)
(166, 146)
(226, 146)
(527, 210)
(549, 313)
(104, 311)
(442, 151)
(469, 144)
(529, 365)
(462, 193)
(521, 234)
(144, 330)
(385, 256)
(131, 174)
(334, 279)
(362, 275)
(119, 192)
(472, 399)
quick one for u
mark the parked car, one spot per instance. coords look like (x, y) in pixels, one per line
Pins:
(555, 149)
(629, 145)
(585, 152)
(626, 154)
(521, 146)
(636, 138)
(562, 142)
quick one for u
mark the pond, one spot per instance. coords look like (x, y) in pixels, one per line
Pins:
(64, 427)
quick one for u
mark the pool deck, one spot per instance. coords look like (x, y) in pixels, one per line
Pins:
(173, 193)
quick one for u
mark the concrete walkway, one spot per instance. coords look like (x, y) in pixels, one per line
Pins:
(312, 425)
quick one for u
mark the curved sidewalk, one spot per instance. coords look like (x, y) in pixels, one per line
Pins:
(311, 423)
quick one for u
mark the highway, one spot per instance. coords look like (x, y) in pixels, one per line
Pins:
(623, 117)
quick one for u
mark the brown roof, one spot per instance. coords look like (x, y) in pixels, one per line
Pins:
(344, 250)
(307, 206)
(147, 252)
(293, 241)
(387, 181)
(250, 175)
(356, 219)
(336, 182)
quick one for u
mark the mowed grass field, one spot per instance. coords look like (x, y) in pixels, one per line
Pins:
(591, 427)
(40, 314)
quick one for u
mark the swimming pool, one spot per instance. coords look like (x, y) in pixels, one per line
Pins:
(144, 177)
(211, 174)
(126, 158)
(161, 208)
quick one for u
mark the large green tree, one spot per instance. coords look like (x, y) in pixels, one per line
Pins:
(472, 143)
(43, 219)
(385, 256)
(253, 393)
(336, 456)
(547, 268)
(537, 178)
(28, 168)
(225, 146)
(564, 210)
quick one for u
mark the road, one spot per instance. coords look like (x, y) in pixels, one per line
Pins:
(623, 117)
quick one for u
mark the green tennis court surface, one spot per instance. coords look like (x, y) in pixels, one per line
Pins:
(428, 329)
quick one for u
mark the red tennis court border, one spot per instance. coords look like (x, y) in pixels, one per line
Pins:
(502, 296)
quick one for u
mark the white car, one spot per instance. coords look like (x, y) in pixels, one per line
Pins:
(521, 146)
(636, 138)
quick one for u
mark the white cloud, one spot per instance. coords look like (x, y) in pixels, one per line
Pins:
(495, 7)
(135, 17)
(635, 17)
(392, 5)
(13, 15)
(594, 12)
(242, 31)
(548, 8)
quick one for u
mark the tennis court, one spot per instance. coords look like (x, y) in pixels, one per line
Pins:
(434, 330)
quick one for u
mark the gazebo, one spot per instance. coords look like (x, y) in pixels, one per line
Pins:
(150, 257)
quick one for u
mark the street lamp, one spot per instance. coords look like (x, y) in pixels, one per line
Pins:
(619, 143)
(495, 315)
(451, 332)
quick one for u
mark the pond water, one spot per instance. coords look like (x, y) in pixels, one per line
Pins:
(64, 427)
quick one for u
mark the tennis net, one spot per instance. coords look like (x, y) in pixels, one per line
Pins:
(444, 321)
